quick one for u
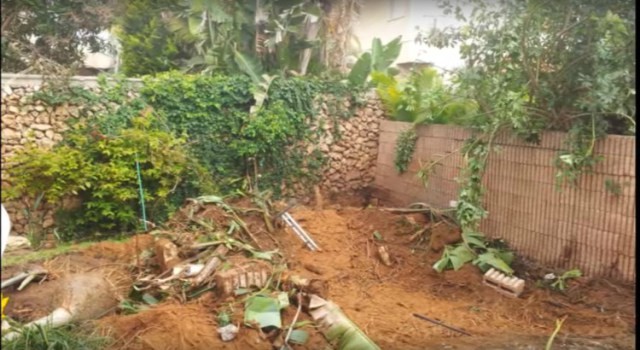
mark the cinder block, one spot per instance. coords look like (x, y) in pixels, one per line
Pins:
(509, 286)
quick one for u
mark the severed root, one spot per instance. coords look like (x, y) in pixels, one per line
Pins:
(24, 277)
(310, 286)
(211, 265)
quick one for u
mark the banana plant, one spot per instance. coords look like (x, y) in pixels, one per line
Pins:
(213, 29)
(421, 98)
(261, 81)
(291, 33)
(279, 34)
(379, 59)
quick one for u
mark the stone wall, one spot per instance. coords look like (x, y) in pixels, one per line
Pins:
(351, 156)
(26, 120)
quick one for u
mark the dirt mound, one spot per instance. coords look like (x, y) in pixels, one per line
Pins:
(122, 252)
(167, 326)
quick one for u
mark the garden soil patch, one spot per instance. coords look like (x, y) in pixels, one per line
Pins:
(381, 299)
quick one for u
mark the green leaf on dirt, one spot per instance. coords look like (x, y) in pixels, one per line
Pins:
(454, 257)
(264, 311)
(377, 236)
(504, 255)
(210, 200)
(149, 299)
(264, 255)
(304, 323)
(299, 336)
(441, 264)
(575, 273)
(459, 256)
(492, 259)
(283, 300)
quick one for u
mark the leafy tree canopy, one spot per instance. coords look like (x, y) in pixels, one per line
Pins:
(41, 35)
(547, 64)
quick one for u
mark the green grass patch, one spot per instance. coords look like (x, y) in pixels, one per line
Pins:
(70, 337)
(43, 254)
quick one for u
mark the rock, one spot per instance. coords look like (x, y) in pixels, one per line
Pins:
(40, 108)
(10, 134)
(45, 143)
(41, 127)
(352, 175)
(368, 111)
(48, 222)
(335, 155)
(17, 242)
(228, 332)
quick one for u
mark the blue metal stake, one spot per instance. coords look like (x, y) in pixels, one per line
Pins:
(144, 212)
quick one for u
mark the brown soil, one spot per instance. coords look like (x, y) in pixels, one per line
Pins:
(110, 259)
(380, 299)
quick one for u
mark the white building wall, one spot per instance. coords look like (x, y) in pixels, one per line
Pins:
(386, 19)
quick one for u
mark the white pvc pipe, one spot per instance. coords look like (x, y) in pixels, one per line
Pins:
(59, 317)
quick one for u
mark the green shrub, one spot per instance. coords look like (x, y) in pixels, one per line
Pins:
(70, 337)
(101, 171)
(405, 146)
(422, 98)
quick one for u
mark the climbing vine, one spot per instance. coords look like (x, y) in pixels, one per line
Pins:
(405, 145)
(191, 134)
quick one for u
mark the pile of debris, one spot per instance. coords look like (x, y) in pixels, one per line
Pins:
(213, 248)
(239, 268)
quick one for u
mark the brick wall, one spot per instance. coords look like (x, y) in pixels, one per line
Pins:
(586, 227)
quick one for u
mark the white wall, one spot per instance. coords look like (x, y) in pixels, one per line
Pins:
(376, 20)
